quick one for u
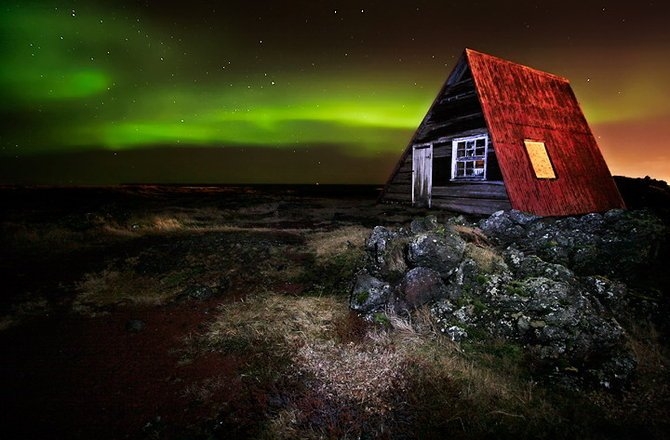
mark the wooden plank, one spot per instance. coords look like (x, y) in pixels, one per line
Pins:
(446, 112)
(404, 174)
(471, 206)
(402, 189)
(431, 131)
(406, 167)
(442, 145)
(454, 106)
(458, 75)
(455, 97)
(422, 158)
(442, 149)
(457, 109)
(442, 123)
(495, 191)
(402, 181)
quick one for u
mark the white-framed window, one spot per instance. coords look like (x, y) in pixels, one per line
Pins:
(468, 157)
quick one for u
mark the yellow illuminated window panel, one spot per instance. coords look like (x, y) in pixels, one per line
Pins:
(539, 159)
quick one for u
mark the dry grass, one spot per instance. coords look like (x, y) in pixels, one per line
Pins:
(435, 351)
(646, 343)
(343, 382)
(33, 307)
(401, 371)
(294, 320)
(26, 237)
(367, 376)
(259, 210)
(472, 235)
(165, 224)
(180, 220)
(205, 390)
(486, 258)
(7, 322)
(118, 287)
(330, 243)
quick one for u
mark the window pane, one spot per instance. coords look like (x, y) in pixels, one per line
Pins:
(460, 168)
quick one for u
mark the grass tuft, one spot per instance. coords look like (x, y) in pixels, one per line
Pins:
(118, 287)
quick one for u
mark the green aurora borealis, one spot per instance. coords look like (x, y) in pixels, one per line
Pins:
(336, 85)
(130, 87)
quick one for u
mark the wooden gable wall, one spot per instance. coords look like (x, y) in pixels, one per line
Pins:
(456, 112)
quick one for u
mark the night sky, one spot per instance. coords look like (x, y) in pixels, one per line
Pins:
(98, 92)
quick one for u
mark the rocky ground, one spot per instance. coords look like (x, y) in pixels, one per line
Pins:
(303, 312)
(557, 287)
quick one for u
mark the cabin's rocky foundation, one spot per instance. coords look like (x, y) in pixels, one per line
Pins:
(554, 287)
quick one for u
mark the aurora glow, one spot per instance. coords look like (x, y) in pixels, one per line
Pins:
(356, 77)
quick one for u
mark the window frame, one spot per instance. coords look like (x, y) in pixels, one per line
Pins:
(456, 159)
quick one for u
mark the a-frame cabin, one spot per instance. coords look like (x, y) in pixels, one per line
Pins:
(501, 135)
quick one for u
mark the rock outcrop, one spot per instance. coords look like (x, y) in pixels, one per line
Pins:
(617, 244)
(556, 287)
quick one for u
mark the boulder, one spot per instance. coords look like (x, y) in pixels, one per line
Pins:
(507, 226)
(533, 266)
(441, 252)
(369, 294)
(135, 325)
(377, 243)
(561, 324)
(420, 286)
(424, 224)
(386, 253)
(198, 292)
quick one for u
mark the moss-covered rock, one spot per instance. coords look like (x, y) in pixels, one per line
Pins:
(542, 284)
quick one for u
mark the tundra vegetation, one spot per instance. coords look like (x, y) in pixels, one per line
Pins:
(238, 313)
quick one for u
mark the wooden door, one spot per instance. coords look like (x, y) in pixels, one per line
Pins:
(422, 175)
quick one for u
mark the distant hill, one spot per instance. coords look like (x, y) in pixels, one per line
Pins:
(645, 192)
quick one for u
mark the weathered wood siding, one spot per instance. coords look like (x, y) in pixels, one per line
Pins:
(456, 112)
(471, 197)
(472, 206)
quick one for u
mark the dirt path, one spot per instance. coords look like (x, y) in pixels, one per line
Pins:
(74, 377)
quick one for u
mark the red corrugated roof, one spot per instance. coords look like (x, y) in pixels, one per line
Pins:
(520, 103)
